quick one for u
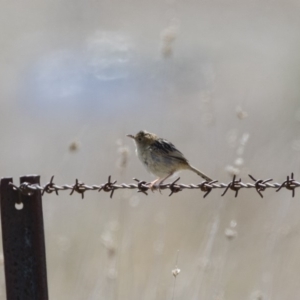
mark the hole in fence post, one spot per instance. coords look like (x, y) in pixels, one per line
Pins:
(19, 206)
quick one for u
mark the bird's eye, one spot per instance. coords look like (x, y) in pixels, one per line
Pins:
(139, 139)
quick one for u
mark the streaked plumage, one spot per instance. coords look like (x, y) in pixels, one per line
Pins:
(161, 157)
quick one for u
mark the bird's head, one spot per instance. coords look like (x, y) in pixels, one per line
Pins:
(143, 138)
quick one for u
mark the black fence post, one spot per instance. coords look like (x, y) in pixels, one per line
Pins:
(23, 242)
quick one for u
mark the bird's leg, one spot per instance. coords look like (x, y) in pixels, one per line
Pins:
(162, 181)
(152, 184)
(155, 184)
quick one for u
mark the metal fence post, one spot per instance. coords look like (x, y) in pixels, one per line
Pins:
(23, 242)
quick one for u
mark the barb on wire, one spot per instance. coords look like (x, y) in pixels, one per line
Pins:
(78, 187)
(142, 186)
(260, 185)
(108, 187)
(233, 185)
(49, 187)
(289, 184)
(175, 188)
(206, 187)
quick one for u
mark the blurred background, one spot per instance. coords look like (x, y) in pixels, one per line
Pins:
(220, 79)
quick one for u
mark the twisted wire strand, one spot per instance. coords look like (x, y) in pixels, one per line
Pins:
(260, 185)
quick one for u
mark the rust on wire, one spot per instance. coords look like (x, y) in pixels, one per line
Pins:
(235, 185)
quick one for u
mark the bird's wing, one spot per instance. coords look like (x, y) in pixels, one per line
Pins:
(164, 147)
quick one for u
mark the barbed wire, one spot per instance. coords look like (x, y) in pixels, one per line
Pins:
(260, 185)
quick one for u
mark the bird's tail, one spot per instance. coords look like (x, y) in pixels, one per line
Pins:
(199, 173)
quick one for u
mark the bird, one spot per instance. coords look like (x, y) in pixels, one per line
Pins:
(160, 157)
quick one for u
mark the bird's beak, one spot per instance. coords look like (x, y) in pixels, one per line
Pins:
(130, 135)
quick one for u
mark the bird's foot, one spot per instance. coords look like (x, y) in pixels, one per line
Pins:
(155, 184)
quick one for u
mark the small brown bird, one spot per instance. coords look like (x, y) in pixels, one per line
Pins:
(161, 157)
